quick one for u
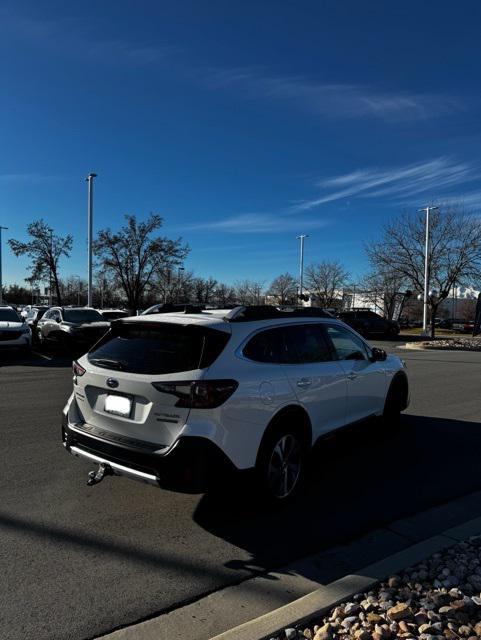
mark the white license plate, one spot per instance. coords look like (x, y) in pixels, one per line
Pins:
(118, 405)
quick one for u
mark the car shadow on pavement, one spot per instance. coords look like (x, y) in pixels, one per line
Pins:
(360, 481)
(45, 358)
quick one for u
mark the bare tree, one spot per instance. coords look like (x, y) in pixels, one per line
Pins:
(73, 290)
(284, 289)
(381, 288)
(204, 290)
(45, 250)
(454, 254)
(224, 294)
(324, 281)
(249, 291)
(133, 256)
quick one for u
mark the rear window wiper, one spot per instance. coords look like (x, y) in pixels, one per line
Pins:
(108, 364)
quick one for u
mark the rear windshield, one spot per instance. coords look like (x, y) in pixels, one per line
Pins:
(82, 315)
(158, 348)
(8, 315)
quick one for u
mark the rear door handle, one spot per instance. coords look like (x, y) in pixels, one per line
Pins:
(303, 383)
(352, 376)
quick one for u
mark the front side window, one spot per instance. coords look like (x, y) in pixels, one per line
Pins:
(347, 345)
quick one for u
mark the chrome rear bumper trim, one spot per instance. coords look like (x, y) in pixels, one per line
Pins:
(118, 469)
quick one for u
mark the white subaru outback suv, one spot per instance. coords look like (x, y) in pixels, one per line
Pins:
(176, 399)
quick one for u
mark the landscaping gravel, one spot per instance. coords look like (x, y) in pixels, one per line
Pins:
(438, 599)
(462, 344)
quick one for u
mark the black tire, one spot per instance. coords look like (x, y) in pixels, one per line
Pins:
(281, 464)
(394, 404)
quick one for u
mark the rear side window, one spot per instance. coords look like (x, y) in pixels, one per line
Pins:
(266, 346)
(159, 348)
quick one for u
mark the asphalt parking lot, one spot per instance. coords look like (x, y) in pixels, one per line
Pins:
(78, 561)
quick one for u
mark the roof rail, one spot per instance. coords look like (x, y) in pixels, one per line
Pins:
(268, 312)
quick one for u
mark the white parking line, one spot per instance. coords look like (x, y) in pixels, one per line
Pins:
(41, 355)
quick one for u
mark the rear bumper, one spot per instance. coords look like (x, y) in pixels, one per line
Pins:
(190, 465)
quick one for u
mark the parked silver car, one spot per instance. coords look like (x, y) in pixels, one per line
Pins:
(71, 326)
(14, 332)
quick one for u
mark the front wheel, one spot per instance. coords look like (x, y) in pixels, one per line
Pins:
(394, 404)
(281, 464)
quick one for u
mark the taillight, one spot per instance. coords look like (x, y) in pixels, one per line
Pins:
(198, 394)
(78, 371)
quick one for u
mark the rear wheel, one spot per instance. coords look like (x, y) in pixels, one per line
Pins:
(281, 464)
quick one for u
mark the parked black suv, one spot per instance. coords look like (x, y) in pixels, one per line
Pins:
(368, 323)
(71, 326)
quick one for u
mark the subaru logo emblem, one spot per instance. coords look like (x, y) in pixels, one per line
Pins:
(112, 383)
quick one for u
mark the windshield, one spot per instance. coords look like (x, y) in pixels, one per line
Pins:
(82, 315)
(8, 315)
(158, 348)
(114, 315)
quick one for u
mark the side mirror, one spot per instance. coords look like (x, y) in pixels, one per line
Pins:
(378, 355)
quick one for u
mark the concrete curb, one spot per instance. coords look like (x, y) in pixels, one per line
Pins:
(316, 604)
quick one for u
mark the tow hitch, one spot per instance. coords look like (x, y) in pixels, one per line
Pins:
(97, 476)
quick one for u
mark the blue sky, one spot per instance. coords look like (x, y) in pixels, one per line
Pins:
(243, 124)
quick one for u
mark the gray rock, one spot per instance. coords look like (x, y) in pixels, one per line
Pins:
(351, 608)
(348, 622)
(291, 634)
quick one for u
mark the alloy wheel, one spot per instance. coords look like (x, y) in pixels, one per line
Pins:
(284, 466)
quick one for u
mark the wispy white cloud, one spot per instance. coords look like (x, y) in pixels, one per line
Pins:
(258, 223)
(471, 200)
(79, 39)
(429, 177)
(76, 39)
(335, 100)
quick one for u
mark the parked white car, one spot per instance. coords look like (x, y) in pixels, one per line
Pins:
(176, 399)
(14, 331)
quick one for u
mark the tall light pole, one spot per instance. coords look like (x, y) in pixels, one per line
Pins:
(426, 269)
(301, 265)
(90, 206)
(1, 281)
(50, 271)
